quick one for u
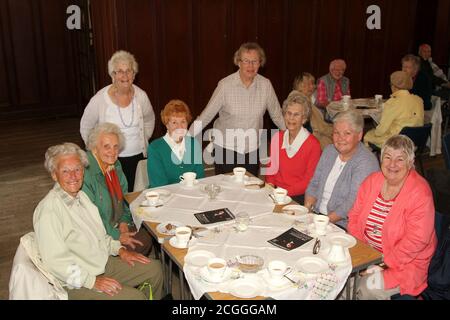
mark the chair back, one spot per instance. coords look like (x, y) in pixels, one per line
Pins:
(419, 135)
(141, 181)
(446, 149)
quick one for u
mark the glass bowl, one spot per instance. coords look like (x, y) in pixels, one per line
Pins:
(250, 263)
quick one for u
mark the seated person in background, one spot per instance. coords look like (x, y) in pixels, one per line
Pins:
(394, 213)
(322, 130)
(441, 85)
(105, 184)
(403, 109)
(73, 243)
(294, 153)
(332, 86)
(342, 167)
(421, 83)
(175, 153)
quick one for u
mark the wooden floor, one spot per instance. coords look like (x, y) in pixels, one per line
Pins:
(24, 181)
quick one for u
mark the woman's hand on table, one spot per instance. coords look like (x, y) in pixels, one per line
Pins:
(107, 285)
(131, 257)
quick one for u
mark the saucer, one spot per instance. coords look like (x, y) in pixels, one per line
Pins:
(287, 200)
(198, 258)
(163, 192)
(174, 243)
(183, 183)
(168, 228)
(297, 210)
(343, 239)
(275, 284)
(246, 288)
(312, 230)
(311, 265)
(158, 203)
(206, 276)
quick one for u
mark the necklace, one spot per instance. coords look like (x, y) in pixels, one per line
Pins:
(132, 115)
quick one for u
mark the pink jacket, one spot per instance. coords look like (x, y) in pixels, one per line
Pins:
(408, 238)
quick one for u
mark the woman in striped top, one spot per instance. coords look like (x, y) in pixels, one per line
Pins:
(394, 213)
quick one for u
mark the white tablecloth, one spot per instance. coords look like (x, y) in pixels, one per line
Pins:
(224, 241)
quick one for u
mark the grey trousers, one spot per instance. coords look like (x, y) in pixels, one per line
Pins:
(129, 277)
(366, 292)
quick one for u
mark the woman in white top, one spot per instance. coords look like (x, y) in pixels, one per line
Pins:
(125, 105)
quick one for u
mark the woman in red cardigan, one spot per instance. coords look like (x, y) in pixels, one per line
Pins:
(394, 213)
(294, 153)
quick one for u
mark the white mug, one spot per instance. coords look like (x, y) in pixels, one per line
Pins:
(188, 178)
(346, 98)
(277, 269)
(183, 234)
(337, 253)
(239, 173)
(280, 195)
(378, 97)
(320, 224)
(152, 198)
(216, 267)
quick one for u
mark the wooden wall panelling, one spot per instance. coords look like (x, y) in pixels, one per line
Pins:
(7, 94)
(212, 52)
(244, 22)
(441, 43)
(300, 43)
(24, 51)
(104, 26)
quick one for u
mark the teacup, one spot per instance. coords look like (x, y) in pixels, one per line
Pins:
(152, 198)
(280, 195)
(216, 267)
(378, 98)
(320, 224)
(188, 178)
(277, 269)
(239, 173)
(183, 234)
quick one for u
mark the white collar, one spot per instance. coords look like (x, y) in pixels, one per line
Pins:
(177, 148)
(291, 149)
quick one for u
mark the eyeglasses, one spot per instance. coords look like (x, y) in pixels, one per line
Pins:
(252, 62)
(127, 72)
(294, 114)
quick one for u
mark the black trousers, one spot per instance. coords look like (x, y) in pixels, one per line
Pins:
(225, 160)
(129, 165)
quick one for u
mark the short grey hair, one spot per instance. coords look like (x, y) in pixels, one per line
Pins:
(413, 58)
(122, 56)
(247, 47)
(296, 97)
(104, 128)
(400, 142)
(354, 118)
(67, 148)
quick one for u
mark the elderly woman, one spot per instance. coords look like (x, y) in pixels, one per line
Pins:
(175, 153)
(294, 153)
(322, 130)
(126, 105)
(342, 168)
(422, 85)
(394, 213)
(105, 184)
(241, 99)
(72, 241)
(403, 109)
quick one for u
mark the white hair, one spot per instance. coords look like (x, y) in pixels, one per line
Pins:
(104, 128)
(67, 148)
(352, 117)
(122, 56)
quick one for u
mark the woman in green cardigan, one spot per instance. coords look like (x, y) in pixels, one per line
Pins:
(105, 184)
(175, 153)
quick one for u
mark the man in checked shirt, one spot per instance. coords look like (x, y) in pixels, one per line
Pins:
(332, 86)
(241, 100)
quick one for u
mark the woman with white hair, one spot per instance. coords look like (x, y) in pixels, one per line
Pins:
(105, 184)
(342, 168)
(394, 213)
(126, 105)
(294, 153)
(72, 241)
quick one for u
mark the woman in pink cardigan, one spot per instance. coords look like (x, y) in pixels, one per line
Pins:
(294, 153)
(394, 213)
